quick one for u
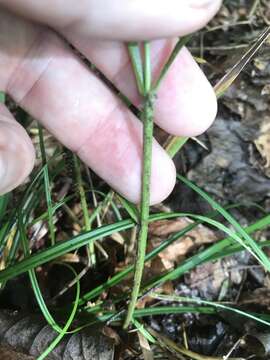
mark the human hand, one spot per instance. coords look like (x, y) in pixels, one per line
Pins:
(45, 77)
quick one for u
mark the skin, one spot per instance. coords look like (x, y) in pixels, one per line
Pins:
(44, 76)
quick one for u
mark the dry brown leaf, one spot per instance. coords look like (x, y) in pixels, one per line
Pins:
(8, 354)
(166, 260)
(263, 143)
(146, 349)
(176, 252)
(31, 335)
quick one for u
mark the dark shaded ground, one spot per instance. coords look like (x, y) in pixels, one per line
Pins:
(236, 166)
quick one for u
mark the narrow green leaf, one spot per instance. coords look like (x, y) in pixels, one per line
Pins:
(135, 56)
(64, 247)
(47, 186)
(39, 298)
(174, 144)
(178, 47)
(183, 299)
(2, 97)
(68, 323)
(249, 243)
(216, 251)
(130, 208)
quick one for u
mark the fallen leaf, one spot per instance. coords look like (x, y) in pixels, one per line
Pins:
(146, 349)
(176, 252)
(7, 354)
(263, 143)
(29, 334)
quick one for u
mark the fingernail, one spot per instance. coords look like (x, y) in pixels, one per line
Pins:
(199, 4)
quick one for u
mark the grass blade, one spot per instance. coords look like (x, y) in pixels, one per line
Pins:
(47, 185)
(64, 247)
(33, 279)
(178, 47)
(84, 207)
(203, 256)
(183, 299)
(209, 254)
(250, 244)
(68, 323)
(135, 56)
(222, 86)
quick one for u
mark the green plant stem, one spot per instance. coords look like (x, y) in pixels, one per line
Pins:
(135, 57)
(2, 97)
(87, 223)
(147, 69)
(47, 185)
(178, 47)
(174, 144)
(148, 113)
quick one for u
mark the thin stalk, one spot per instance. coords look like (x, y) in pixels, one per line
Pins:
(144, 206)
(147, 69)
(47, 185)
(178, 47)
(87, 223)
(174, 144)
(147, 118)
(135, 57)
(218, 305)
(2, 97)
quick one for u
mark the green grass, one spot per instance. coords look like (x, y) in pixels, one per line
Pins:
(226, 247)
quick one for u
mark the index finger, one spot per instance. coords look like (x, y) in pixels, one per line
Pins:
(120, 19)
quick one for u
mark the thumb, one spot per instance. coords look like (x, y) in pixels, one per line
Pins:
(16, 152)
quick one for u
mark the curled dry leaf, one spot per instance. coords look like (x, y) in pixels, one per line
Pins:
(29, 335)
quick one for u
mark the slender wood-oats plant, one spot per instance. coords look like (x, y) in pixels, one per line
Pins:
(141, 61)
